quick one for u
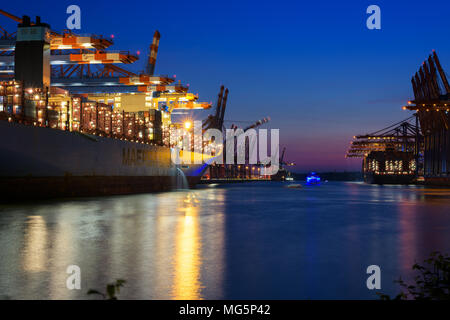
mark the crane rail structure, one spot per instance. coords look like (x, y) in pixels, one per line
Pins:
(400, 136)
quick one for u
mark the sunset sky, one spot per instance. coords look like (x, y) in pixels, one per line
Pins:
(312, 66)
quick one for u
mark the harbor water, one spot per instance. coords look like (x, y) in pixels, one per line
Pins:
(240, 241)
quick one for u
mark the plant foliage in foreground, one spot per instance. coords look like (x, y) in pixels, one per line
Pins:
(431, 283)
(112, 289)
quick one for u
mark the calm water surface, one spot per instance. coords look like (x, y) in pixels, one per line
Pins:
(252, 241)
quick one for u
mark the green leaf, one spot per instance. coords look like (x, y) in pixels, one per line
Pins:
(111, 291)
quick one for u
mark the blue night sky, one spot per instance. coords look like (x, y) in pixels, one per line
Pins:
(313, 67)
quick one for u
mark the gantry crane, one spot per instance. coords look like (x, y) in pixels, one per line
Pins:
(401, 136)
(82, 62)
(432, 106)
(431, 93)
(71, 49)
(282, 162)
(173, 95)
(216, 121)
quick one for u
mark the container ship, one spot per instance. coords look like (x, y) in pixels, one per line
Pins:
(73, 123)
(391, 155)
(389, 167)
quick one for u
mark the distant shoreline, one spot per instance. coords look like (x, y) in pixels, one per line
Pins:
(333, 176)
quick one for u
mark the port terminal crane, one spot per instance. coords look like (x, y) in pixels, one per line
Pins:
(432, 105)
(391, 155)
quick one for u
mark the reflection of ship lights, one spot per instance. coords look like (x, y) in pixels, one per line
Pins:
(187, 284)
(35, 251)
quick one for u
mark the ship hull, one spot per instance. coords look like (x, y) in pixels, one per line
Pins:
(372, 178)
(39, 163)
(32, 188)
(437, 181)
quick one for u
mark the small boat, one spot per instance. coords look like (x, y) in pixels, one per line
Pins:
(312, 178)
(294, 186)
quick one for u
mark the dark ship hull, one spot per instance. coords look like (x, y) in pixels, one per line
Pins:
(390, 167)
(38, 162)
(373, 178)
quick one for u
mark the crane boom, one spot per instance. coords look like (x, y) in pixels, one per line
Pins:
(222, 112)
(11, 16)
(282, 155)
(153, 53)
(441, 72)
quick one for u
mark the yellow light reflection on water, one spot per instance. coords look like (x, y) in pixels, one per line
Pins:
(187, 284)
(35, 245)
